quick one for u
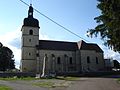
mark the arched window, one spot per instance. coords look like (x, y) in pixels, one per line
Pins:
(37, 54)
(31, 32)
(97, 60)
(58, 60)
(29, 54)
(65, 55)
(70, 61)
(29, 40)
(88, 59)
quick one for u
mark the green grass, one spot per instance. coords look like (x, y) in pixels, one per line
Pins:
(15, 78)
(66, 81)
(44, 84)
(32, 78)
(48, 84)
(118, 80)
(68, 78)
(3, 87)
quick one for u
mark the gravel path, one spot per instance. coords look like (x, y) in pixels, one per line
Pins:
(82, 84)
(21, 85)
(95, 84)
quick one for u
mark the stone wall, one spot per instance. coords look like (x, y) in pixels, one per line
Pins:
(52, 64)
(92, 64)
(28, 66)
(30, 38)
(18, 74)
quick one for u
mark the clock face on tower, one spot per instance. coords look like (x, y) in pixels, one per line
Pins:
(30, 13)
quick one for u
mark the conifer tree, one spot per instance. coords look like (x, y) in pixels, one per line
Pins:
(108, 23)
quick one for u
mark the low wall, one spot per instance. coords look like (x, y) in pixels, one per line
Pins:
(90, 74)
(18, 74)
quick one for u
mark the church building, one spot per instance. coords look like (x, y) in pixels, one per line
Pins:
(59, 57)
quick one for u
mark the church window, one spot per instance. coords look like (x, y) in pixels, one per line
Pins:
(97, 60)
(29, 40)
(65, 55)
(29, 54)
(37, 54)
(58, 60)
(31, 32)
(88, 59)
(71, 61)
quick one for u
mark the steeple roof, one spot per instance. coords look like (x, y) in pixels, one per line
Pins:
(30, 20)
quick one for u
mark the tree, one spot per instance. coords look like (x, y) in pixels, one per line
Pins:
(6, 58)
(116, 64)
(108, 23)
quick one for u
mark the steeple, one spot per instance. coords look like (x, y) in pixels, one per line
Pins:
(30, 11)
(30, 20)
(29, 40)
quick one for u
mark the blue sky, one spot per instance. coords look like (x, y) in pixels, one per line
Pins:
(76, 15)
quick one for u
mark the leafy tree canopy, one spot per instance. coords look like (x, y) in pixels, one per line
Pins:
(116, 64)
(108, 23)
(6, 58)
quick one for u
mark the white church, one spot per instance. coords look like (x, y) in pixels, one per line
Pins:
(60, 57)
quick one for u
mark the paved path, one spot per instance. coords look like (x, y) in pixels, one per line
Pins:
(82, 84)
(95, 84)
(21, 85)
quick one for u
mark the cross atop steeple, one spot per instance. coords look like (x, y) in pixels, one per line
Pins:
(30, 2)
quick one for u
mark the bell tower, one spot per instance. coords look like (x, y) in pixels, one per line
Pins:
(30, 38)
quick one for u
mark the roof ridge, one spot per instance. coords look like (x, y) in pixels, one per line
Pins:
(57, 41)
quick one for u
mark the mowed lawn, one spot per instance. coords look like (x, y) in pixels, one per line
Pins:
(39, 82)
(62, 83)
(4, 87)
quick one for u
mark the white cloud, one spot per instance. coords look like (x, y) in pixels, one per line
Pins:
(10, 39)
(13, 41)
(110, 53)
(43, 36)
